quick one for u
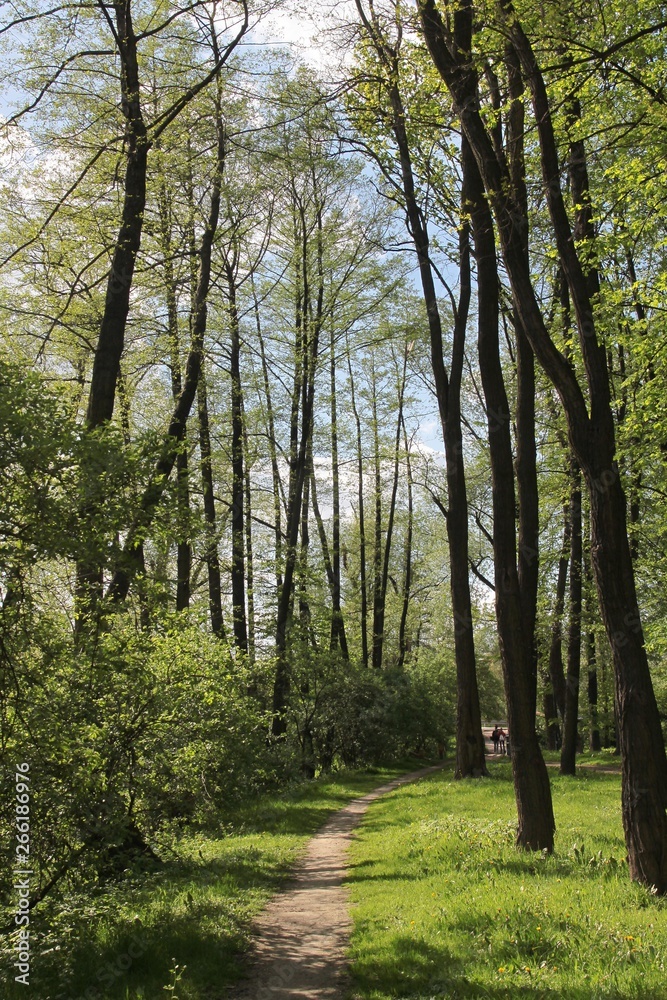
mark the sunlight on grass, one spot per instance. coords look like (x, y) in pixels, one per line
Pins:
(445, 906)
(184, 925)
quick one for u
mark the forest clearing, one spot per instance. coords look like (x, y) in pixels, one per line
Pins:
(333, 440)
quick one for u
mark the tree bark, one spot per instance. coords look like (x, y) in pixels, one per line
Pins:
(308, 334)
(570, 724)
(531, 780)
(556, 671)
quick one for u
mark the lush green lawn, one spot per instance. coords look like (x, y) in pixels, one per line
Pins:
(445, 906)
(190, 919)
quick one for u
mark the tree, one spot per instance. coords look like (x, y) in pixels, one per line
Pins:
(591, 433)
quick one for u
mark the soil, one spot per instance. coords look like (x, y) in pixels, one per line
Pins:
(300, 939)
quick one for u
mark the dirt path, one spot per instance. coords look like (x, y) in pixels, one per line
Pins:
(299, 940)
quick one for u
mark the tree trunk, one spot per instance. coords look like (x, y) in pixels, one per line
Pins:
(362, 520)
(377, 529)
(211, 555)
(403, 642)
(308, 340)
(531, 780)
(183, 547)
(556, 671)
(570, 725)
(273, 451)
(338, 637)
(380, 607)
(238, 479)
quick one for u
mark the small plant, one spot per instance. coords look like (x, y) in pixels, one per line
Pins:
(176, 974)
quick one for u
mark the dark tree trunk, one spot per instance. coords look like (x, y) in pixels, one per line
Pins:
(570, 725)
(381, 603)
(183, 547)
(273, 451)
(338, 637)
(531, 780)
(308, 334)
(377, 530)
(595, 742)
(111, 340)
(341, 639)
(556, 671)
(117, 302)
(249, 553)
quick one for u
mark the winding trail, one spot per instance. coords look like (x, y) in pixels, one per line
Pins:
(299, 940)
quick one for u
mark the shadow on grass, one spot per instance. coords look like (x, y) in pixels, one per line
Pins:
(198, 917)
(415, 969)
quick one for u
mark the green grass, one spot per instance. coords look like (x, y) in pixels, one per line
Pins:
(445, 906)
(185, 924)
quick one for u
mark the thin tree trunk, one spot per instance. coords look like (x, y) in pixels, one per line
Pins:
(556, 670)
(338, 637)
(362, 520)
(238, 480)
(341, 639)
(183, 547)
(381, 599)
(377, 527)
(249, 553)
(570, 725)
(211, 555)
(591, 655)
(273, 451)
(403, 643)
(299, 464)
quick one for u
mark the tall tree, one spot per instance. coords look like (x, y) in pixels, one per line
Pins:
(644, 795)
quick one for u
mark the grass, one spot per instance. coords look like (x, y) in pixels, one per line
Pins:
(178, 931)
(445, 906)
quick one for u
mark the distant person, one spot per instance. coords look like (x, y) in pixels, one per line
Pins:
(495, 738)
(501, 740)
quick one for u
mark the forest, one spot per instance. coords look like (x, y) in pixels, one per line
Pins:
(333, 410)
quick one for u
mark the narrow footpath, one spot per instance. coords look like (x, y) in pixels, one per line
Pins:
(300, 939)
